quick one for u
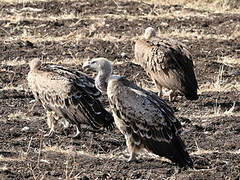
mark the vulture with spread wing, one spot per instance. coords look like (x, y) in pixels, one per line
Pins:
(169, 64)
(145, 120)
(68, 94)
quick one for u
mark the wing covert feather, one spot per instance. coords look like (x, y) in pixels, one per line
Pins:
(142, 112)
(73, 95)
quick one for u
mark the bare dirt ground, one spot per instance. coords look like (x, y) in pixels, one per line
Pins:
(69, 32)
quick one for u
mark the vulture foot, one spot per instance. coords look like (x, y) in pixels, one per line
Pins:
(30, 112)
(132, 157)
(171, 94)
(77, 135)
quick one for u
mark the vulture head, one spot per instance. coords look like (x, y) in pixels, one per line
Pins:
(35, 64)
(149, 32)
(99, 65)
(104, 69)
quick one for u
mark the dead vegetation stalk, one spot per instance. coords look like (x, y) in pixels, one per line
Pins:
(29, 145)
(40, 151)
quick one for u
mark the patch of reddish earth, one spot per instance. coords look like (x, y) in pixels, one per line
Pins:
(212, 140)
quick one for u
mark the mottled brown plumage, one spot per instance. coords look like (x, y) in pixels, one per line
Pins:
(69, 94)
(168, 62)
(145, 120)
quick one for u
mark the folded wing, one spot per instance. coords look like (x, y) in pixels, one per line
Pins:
(148, 121)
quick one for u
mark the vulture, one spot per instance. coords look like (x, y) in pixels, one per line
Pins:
(144, 119)
(69, 95)
(236, 73)
(168, 63)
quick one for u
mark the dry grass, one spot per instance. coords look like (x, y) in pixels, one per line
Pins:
(217, 111)
(114, 155)
(14, 62)
(185, 33)
(216, 87)
(203, 151)
(24, 1)
(66, 61)
(77, 35)
(20, 87)
(210, 5)
(229, 61)
(2, 159)
(184, 14)
(72, 152)
(71, 37)
(220, 83)
(214, 5)
(209, 114)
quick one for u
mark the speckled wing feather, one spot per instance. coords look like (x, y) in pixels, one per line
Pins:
(148, 120)
(73, 95)
(170, 54)
(79, 78)
(169, 63)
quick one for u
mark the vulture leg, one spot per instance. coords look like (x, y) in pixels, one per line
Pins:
(172, 95)
(132, 150)
(33, 106)
(159, 87)
(66, 125)
(77, 135)
(132, 157)
(52, 122)
(36, 102)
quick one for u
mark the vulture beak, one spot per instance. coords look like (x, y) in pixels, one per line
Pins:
(86, 65)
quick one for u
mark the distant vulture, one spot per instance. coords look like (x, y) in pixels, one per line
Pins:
(236, 73)
(145, 120)
(169, 64)
(68, 94)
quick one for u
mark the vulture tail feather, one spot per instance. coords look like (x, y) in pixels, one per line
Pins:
(173, 150)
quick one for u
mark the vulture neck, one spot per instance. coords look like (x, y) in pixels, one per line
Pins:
(101, 81)
(34, 69)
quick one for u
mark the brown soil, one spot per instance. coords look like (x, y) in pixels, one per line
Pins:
(213, 141)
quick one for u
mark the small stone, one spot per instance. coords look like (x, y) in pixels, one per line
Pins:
(123, 54)
(26, 128)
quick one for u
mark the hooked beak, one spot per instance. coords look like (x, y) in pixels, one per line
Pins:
(86, 65)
